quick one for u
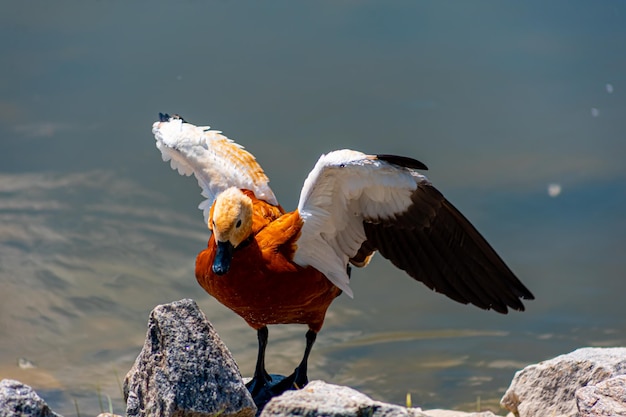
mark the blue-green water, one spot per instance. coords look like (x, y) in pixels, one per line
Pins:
(500, 99)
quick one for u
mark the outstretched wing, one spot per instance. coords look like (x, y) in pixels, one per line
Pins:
(353, 204)
(216, 161)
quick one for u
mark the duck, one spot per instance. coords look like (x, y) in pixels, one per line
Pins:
(274, 267)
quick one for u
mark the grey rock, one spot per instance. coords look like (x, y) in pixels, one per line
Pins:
(548, 388)
(608, 398)
(17, 399)
(184, 369)
(318, 398)
(452, 413)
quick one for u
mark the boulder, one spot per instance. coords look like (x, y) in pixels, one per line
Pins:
(17, 399)
(184, 369)
(319, 398)
(608, 398)
(548, 388)
(451, 413)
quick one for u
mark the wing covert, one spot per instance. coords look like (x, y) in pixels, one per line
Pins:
(216, 161)
(344, 189)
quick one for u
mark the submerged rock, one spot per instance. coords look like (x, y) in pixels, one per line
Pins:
(184, 369)
(17, 399)
(549, 388)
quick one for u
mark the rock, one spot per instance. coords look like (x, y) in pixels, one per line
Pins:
(184, 369)
(17, 399)
(451, 413)
(608, 398)
(548, 388)
(318, 398)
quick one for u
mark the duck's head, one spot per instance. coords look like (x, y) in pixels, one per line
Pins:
(231, 223)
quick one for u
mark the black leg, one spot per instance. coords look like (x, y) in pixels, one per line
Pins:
(263, 386)
(300, 374)
(298, 379)
(261, 377)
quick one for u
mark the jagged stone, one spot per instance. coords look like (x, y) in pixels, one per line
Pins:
(184, 369)
(17, 399)
(608, 398)
(548, 388)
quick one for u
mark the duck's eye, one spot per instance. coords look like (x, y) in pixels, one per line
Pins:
(238, 223)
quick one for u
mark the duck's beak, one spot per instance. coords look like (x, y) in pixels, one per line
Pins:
(223, 256)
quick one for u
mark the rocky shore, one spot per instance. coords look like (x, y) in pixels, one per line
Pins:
(184, 369)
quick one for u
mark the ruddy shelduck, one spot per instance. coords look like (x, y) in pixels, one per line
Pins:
(274, 267)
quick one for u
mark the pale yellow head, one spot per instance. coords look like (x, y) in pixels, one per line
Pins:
(231, 219)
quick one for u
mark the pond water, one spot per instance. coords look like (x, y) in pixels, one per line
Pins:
(517, 108)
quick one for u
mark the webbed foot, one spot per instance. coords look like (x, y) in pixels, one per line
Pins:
(263, 390)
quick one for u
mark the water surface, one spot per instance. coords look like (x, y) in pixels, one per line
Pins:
(502, 100)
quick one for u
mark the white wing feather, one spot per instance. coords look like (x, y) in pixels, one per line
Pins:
(216, 161)
(345, 188)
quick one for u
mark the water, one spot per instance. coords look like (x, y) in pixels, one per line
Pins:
(502, 101)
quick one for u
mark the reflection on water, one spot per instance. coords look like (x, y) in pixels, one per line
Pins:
(508, 103)
(407, 336)
(78, 251)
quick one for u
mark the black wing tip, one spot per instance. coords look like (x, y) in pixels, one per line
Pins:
(164, 117)
(503, 308)
(403, 161)
(519, 306)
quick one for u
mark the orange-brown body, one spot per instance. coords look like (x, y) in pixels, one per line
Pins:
(263, 285)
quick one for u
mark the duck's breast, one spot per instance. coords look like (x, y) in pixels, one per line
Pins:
(263, 284)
